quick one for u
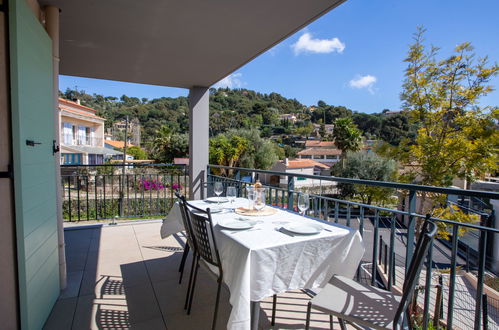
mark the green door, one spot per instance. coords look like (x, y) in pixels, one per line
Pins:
(34, 165)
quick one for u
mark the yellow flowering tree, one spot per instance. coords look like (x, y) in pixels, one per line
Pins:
(457, 135)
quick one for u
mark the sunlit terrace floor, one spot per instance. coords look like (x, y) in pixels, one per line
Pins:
(126, 276)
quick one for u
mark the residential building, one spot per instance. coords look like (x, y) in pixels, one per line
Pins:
(37, 43)
(327, 156)
(328, 128)
(117, 131)
(300, 166)
(289, 117)
(82, 135)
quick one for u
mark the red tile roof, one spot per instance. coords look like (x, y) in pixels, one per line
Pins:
(75, 105)
(78, 109)
(319, 152)
(117, 144)
(297, 163)
(321, 144)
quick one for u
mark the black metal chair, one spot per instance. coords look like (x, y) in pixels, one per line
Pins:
(188, 234)
(206, 250)
(370, 306)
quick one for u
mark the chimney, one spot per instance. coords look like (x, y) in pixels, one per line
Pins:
(77, 101)
(286, 162)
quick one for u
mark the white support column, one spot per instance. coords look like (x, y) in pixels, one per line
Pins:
(199, 122)
(52, 27)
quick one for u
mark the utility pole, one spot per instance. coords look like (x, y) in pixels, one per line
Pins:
(123, 170)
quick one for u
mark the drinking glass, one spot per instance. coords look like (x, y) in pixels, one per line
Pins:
(303, 203)
(259, 198)
(218, 189)
(251, 198)
(231, 195)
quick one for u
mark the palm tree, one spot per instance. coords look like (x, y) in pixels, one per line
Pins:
(347, 136)
(161, 143)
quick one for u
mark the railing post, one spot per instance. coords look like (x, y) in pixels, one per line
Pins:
(482, 249)
(237, 176)
(485, 308)
(426, 309)
(411, 228)
(291, 188)
(375, 248)
(439, 306)
(209, 183)
(452, 277)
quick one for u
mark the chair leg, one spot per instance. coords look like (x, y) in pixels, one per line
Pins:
(342, 324)
(196, 268)
(217, 303)
(274, 305)
(182, 262)
(309, 310)
(194, 257)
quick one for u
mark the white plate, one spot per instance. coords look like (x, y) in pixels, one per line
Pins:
(216, 200)
(303, 228)
(236, 224)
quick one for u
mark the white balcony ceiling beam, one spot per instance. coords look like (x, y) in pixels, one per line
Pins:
(174, 43)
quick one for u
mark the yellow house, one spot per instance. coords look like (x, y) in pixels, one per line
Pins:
(82, 135)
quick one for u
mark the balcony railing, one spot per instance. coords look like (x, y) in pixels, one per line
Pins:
(97, 192)
(451, 292)
(81, 140)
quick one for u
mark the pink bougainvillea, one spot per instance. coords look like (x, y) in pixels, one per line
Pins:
(152, 185)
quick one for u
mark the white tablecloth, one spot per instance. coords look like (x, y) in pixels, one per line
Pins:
(263, 261)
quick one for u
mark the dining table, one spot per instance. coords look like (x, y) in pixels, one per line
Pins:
(272, 254)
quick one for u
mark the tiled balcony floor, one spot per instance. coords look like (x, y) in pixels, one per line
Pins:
(126, 276)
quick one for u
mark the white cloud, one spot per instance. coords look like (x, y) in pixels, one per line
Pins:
(231, 81)
(366, 81)
(307, 44)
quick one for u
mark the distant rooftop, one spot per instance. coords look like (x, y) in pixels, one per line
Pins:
(320, 144)
(301, 163)
(77, 108)
(319, 151)
(117, 144)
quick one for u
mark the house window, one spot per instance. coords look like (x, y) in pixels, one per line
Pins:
(87, 136)
(71, 159)
(331, 157)
(306, 156)
(95, 159)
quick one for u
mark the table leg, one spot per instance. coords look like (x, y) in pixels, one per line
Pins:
(255, 314)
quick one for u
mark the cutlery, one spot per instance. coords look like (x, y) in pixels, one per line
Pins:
(284, 231)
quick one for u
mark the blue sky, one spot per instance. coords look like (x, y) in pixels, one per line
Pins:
(352, 56)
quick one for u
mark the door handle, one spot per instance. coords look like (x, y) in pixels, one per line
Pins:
(32, 143)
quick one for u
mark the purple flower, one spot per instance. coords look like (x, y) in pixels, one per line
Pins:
(176, 186)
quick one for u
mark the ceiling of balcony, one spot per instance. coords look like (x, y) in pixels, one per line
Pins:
(180, 43)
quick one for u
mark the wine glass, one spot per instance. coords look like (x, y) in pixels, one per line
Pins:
(260, 199)
(303, 203)
(219, 189)
(231, 195)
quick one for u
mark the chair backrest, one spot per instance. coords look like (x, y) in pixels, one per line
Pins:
(428, 231)
(203, 234)
(186, 221)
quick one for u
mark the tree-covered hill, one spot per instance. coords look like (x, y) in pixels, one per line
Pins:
(241, 109)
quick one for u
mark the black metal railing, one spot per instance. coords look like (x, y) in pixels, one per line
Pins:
(96, 192)
(389, 234)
